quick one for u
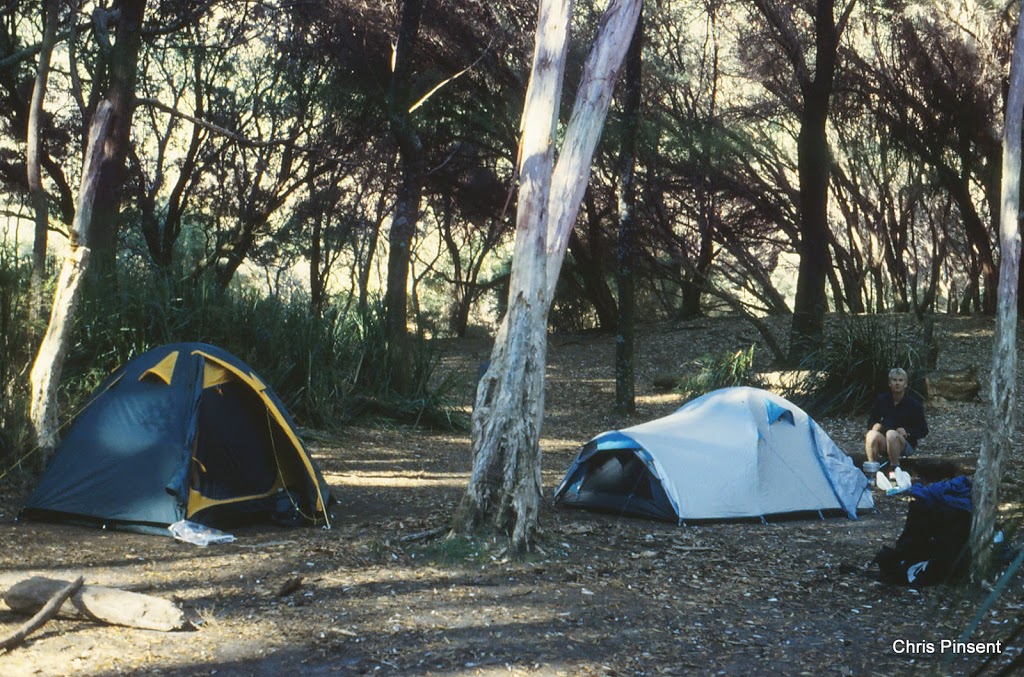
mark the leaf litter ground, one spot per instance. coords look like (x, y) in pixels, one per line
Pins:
(604, 594)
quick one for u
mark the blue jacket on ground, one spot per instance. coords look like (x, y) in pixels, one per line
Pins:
(954, 493)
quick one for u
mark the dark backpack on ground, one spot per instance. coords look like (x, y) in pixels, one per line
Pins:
(932, 549)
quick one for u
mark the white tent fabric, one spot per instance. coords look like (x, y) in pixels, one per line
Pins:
(739, 452)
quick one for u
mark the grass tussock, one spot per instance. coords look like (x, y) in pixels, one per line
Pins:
(724, 370)
(853, 363)
(329, 366)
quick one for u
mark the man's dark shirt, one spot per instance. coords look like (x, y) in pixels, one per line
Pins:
(908, 414)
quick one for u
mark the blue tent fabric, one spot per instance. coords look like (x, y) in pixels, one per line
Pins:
(777, 412)
(143, 448)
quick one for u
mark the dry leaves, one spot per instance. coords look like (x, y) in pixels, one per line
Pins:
(605, 595)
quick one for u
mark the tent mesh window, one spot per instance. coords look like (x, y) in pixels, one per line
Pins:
(618, 481)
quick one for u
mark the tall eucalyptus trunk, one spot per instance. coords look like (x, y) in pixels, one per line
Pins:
(49, 362)
(504, 491)
(999, 434)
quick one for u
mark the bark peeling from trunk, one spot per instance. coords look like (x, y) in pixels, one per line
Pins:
(504, 491)
(49, 362)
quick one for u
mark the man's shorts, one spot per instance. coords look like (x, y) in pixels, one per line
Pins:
(907, 450)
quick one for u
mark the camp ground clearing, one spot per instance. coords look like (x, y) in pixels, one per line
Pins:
(603, 595)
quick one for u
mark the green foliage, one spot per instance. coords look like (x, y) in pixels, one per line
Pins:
(328, 367)
(852, 365)
(725, 370)
(15, 347)
(426, 404)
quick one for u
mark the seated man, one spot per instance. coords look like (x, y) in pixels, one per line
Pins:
(895, 424)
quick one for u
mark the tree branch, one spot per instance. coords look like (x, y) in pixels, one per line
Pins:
(785, 36)
(234, 136)
(43, 616)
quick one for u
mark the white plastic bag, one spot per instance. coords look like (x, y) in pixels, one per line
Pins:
(198, 534)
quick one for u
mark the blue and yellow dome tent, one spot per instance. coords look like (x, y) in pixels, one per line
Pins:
(184, 431)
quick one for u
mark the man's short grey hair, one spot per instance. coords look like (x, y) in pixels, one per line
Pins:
(896, 371)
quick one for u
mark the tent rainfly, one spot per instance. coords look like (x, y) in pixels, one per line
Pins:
(184, 431)
(732, 453)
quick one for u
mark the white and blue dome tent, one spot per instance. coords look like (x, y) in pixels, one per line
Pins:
(732, 453)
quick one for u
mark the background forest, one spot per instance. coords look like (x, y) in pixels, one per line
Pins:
(324, 187)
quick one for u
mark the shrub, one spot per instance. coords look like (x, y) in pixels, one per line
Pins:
(15, 350)
(327, 367)
(725, 370)
(852, 365)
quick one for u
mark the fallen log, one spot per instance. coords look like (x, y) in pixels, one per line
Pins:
(44, 615)
(98, 603)
(423, 535)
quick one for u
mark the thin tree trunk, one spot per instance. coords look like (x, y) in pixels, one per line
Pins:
(625, 339)
(316, 280)
(46, 370)
(999, 435)
(368, 250)
(407, 204)
(32, 162)
(123, 74)
(504, 491)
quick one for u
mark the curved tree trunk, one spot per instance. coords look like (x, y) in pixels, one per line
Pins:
(46, 369)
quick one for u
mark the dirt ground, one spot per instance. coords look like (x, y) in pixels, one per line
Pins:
(604, 595)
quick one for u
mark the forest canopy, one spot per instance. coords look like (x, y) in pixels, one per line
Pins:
(352, 165)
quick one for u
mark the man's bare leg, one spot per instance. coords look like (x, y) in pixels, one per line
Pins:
(894, 444)
(874, 445)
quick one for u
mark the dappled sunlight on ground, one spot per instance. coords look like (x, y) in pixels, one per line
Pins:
(450, 480)
(602, 594)
(660, 400)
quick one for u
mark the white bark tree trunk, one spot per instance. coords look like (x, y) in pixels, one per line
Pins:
(46, 369)
(999, 435)
(505, 488)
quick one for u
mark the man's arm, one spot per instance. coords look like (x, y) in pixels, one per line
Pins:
(876, 413)
(918, 426)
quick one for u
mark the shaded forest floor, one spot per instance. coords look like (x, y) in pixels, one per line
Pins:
(606, 595)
